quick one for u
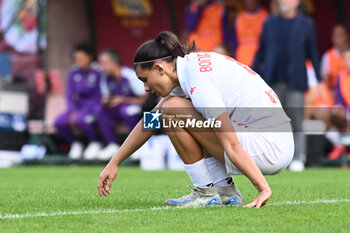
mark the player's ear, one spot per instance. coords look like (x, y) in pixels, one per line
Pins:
(159, 68)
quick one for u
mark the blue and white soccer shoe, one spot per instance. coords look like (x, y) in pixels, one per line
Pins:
(230, 195)
(199, 197)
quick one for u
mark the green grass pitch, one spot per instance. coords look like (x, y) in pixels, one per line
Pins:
(65, 199)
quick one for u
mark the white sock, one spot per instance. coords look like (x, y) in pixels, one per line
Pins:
(218, 172)
(199, 174)
(333, 136)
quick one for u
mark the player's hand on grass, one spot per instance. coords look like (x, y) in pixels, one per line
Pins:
(261, 200)
(106, 178)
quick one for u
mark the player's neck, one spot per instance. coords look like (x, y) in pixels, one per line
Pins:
(117, 74)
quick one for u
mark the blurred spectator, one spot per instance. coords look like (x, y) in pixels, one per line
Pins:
(83, 97)
(248, 27)
(340, 116)
(287, 41)
(332, 61)
(343, 84)
(206, 24)
(274, 7)
(318, 99)
(120, 101)
(319, 103)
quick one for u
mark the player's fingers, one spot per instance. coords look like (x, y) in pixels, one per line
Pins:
(101, 182)
(258, 204)
(106, 189)
(109, 185)
(104, 192)
(109, 182)
(99, 191)
(261, 203)
(99, 187)
(250, 205)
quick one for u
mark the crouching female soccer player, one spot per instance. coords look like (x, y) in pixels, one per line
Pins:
(254, 138)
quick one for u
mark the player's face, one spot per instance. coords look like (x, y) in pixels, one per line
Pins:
(107, 65)
(82, 59)
(155, 80)
(286, 6)
(250, 5)
(339, 37)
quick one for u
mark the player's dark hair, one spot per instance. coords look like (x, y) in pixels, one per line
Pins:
(166, 45)
(113, 54)
(84, 47)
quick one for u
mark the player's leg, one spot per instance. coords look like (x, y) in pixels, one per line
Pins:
(272, 150)
(190, 152)
(189, 144)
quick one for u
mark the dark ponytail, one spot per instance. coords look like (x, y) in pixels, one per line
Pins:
(166, 45)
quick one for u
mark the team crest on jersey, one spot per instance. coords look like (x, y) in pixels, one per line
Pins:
(91, 78)
(77, 77)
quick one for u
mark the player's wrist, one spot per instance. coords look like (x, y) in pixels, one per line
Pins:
(264, 187)
(115, 162)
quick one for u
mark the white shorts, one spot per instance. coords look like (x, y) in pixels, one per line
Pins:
(271, 151)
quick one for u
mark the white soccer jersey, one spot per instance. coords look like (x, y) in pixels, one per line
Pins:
(217, 84)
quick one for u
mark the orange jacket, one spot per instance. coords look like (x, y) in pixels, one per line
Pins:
(335, 64)
(248, 30)
(209, 32)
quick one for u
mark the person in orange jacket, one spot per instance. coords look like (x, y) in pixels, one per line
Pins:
(248, 28)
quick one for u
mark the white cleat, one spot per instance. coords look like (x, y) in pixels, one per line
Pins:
(199, 197)
(230, 195)
(107, 153)
(92, 150)
(76, 150)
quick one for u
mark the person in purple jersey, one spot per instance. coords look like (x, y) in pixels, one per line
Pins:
(120, 101)
(83, 97)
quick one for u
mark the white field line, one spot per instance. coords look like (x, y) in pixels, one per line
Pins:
(111, 211)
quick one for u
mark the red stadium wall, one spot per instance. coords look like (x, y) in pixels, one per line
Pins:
(112, 32)
(325, 19)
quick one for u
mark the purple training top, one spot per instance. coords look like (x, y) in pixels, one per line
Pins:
(112, 87)
(83, 89)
